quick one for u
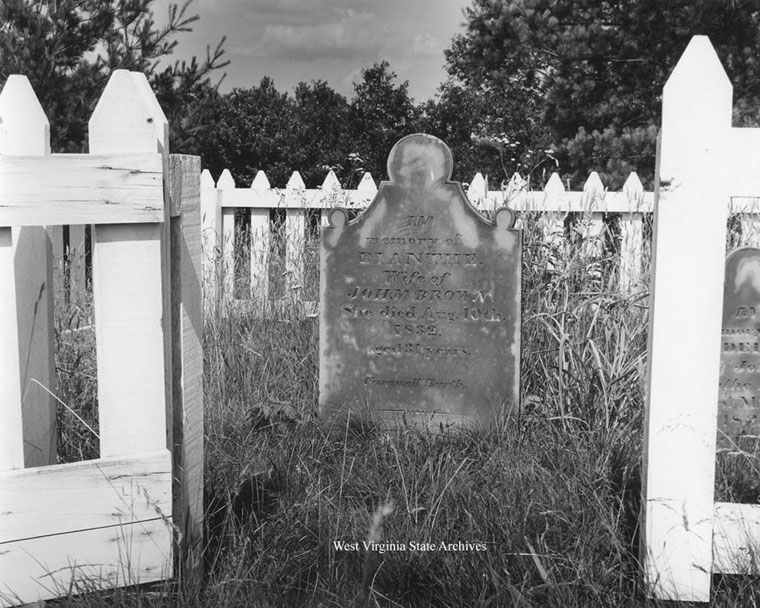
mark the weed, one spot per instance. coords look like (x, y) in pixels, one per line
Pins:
(539, 511)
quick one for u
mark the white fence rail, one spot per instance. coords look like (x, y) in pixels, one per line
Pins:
(298, 207)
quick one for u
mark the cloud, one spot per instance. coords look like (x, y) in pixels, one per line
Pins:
(300, 32)
(322, 41)
(302, 12)
(425, 45)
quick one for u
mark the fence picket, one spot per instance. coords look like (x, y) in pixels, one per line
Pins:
(685, 328)
(631, 236)
(477, 193)
(553, 221)
(260, 239)
(227, 235)
(592, 221)
(127, 285)
(211, 219)
(367, 184)
(295, 237)
(25, 130)
(331, 182)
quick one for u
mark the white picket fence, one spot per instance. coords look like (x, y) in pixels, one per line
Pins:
(108, 522)
(221, 201)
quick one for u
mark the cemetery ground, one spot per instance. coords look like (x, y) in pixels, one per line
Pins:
(543, 509)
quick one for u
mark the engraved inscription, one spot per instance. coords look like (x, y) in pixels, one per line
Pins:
(739, 385)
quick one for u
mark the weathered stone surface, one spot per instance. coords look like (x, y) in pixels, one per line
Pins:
(420, 301)
(739, 397)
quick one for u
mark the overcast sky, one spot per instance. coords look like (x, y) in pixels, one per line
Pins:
(332, 40)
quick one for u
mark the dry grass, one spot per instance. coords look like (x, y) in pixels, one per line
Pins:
(553, 496)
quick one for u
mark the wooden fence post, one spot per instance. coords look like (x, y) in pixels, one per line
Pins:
(130, 320)
(25, 131)
(187, 356)
(685, 328)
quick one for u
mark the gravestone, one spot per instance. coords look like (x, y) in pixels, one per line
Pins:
(420, 302)
(739, 396)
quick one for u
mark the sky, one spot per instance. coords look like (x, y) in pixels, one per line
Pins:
(332, 40)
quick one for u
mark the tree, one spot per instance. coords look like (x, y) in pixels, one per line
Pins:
(188, 97)
(68, 49)
(477, 126)
(381, 113)
(320, 135)
(313, 131)
(250, 130)
(592, 71)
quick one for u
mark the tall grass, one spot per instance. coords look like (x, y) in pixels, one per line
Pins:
(76, 378)
(548, 502)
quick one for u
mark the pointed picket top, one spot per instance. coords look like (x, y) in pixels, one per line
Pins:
(633, 189)
(698, 69)
(331, 182)
(127, 117)
(478, 187)
(295, 182)
(206, 180)
(516, 182)
(225, 181)
(159, 118)
(367, 184)
(593, 190)
(24, 128)
(696, 109)
(260, 182)
(554, 185)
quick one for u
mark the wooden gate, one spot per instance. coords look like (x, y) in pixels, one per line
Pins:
(117, 520)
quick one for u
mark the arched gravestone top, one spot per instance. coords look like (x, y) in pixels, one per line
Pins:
(739, 394)
(420, 301)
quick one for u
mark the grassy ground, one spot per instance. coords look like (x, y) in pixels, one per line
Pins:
(550, 500)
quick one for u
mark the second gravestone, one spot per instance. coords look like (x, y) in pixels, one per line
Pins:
(739, 396)
(420, 302)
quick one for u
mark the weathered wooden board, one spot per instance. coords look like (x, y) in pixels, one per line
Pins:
(34, 284)
(11, 430)
(101, 558)
(84, 495)
(187, 355)
(24, 129)
(81, 189)
(129, 335)
(128, 283)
